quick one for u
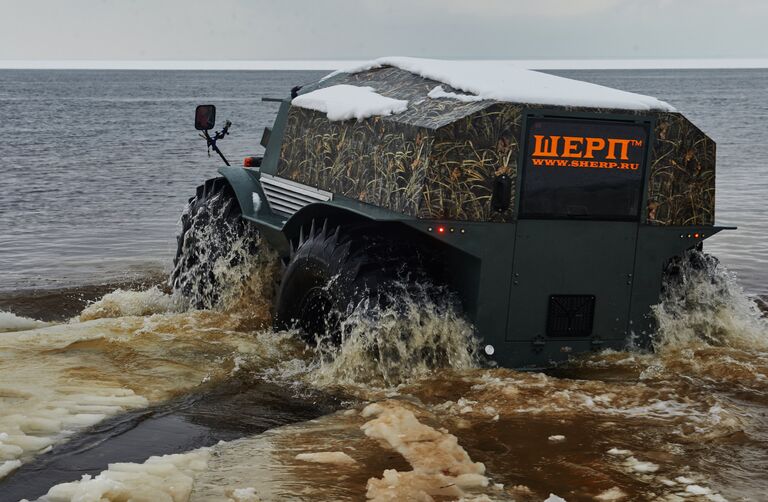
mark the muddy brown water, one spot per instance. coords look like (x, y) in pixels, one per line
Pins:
(685, 423)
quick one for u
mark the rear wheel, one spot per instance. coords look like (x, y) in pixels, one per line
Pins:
(334, 271)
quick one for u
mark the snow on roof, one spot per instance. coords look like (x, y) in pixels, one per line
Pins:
(504, 81)
(343, 102)
(439, 93)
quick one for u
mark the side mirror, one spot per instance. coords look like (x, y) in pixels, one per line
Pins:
(205, 117)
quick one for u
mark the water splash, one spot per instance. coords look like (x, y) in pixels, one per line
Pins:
(703, 305)
(223, 263)
(121, 303)
(11, 322)
(417, 330)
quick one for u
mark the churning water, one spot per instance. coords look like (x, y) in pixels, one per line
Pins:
(113, 387)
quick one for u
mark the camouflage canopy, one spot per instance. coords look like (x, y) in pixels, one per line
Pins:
(439, 158)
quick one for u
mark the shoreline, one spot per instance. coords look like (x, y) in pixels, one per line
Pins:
(328, 65)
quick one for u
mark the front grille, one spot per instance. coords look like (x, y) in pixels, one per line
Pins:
(287, 197)
(570, 315)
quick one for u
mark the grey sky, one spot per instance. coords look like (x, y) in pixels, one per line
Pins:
(349, 29)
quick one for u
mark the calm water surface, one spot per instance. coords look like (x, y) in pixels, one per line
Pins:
(95, 166)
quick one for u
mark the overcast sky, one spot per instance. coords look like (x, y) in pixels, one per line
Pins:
(362, 29)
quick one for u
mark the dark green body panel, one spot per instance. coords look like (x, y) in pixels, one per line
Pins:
(560, 257)
(435, 165)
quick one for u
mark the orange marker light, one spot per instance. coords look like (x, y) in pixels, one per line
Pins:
(696, 235)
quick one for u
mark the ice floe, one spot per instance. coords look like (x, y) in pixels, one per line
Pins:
(326, 457)
(441, 467)
(162, 478)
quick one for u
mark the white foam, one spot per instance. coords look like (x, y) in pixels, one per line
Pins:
(554, 498)
(344, 102)
(120, 303)
(12, 322)
(504, 81)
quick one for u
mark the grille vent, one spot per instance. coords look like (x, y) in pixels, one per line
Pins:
(287, 197)
(570, 315)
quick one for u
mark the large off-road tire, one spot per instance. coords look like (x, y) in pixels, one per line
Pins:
(213, 237)
(334, 271)
(692, 264)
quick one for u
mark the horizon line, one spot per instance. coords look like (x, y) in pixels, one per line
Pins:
(328, 64)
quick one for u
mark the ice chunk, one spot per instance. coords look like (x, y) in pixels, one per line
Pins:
(697, 489)
(9, 466)
(557, 438)
(167, 477)
(441, 467)
(344, 102)
(640, 466)
(326, 457)
(506, 81)
(612, 494)
(243, 495)
(554, 498)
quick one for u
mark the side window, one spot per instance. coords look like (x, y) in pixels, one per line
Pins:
(583, 169)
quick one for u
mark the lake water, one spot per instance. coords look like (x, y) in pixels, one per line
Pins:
(96, 166)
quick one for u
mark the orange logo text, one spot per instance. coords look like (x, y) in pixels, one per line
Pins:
(578, 147)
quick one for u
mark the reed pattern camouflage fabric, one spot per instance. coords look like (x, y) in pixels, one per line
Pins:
(681, 185)
(466, 157)
(377, 161)
(439, 158)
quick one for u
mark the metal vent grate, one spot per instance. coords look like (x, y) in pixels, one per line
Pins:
(287, 197)
(570, 315)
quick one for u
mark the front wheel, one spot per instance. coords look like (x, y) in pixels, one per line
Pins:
(213, 244)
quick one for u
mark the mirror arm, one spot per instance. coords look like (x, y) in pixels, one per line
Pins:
(216, 149)
(212, 144)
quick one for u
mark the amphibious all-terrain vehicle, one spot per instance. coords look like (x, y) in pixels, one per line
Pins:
(550, 207)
